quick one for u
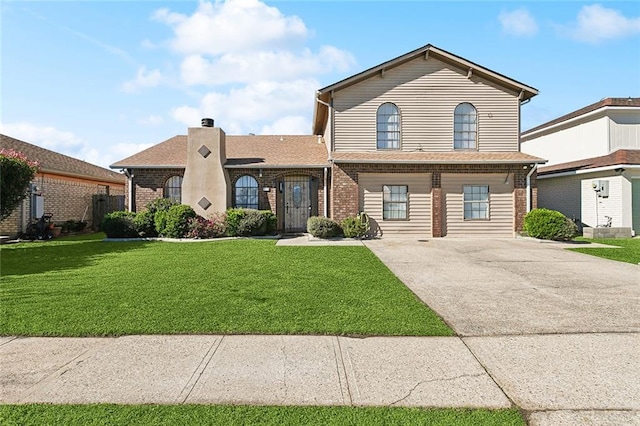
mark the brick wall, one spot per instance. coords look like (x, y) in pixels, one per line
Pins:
(268, 200)
(345, 199)
(67, 198)
(149, 185)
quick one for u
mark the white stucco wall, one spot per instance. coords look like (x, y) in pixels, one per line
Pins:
(584, 139)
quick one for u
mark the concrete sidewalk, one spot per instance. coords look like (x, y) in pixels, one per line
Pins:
(555, 379)
(280, 370)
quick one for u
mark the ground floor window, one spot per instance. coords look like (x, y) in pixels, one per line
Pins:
(476, 201)
(246, 193)
(173, 189)
(394, 201)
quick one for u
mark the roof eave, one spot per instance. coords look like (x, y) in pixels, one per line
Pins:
(276, 166)
(80, 175)
(523, 161)
(527, 91)
(147, 166)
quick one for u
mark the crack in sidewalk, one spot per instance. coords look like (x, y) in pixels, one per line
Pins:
(431, 381)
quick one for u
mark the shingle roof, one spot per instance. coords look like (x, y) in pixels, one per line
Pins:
(53, 162)
(170, 153)
(620, 157)
(614, 102)
(275, 151)
(454, 157)
(241, 151)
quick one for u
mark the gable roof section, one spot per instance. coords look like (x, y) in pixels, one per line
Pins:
(416, 157)
(241, 151)
(320, 113)
(56, 163)
(171, 153)
(607, 102)
(620, 157)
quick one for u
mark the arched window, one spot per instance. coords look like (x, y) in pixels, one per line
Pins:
(173, 189)
(388, 126)
(465, 126)
(247, 192)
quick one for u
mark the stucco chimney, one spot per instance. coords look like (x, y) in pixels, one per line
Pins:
(205, 186)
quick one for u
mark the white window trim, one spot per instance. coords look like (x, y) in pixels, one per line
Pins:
(487, 202)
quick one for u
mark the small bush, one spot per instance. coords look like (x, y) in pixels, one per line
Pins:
(144, 223)
(356, 226)
(175, 221)
(250, 222)
(119, 225)
(213, 227)
(548, 224)
(271, 221)
(323, 227)
(160, 204)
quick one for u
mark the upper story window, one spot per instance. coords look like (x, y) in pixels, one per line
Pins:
(247, 192)
(465, 126)
(173, 189)
(388, 126)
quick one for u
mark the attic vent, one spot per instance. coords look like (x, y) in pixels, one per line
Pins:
(207, 122)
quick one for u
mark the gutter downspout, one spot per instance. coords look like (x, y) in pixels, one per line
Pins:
(326, 196)
(129, 174)
(529, 201)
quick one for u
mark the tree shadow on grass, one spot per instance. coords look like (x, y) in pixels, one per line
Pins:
(38, 257)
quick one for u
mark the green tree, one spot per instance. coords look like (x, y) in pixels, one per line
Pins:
(16, 171)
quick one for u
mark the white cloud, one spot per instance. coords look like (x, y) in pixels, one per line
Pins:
(69, 144)
(289, 125)
(151, 120)
(518, 22)
(143, 79)
(232, 26)
(596, 23)
(266, 65)
(245, 109)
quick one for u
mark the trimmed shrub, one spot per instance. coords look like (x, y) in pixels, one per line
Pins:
(356, 226)
(213, 227)
(144, 223)
(175, 221)
(160, 204)
(234, 216)
(548, 224)
(119, 225)
(250, 222)
(323, 227)
(271, 221)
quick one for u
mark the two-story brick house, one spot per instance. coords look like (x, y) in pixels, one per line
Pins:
(427, 144)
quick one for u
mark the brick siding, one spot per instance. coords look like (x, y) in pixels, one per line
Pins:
(345, 200)
(65, 197)
(149, 185)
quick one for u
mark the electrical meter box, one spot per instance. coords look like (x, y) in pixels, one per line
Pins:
(601, 187)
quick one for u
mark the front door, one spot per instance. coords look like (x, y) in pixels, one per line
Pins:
(297, 203)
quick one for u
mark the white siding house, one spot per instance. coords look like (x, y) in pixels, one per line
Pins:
(594, 146)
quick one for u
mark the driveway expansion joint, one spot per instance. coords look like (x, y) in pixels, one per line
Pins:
(197, 373)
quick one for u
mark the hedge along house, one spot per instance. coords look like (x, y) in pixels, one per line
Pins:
(64, 187)
(427, 144)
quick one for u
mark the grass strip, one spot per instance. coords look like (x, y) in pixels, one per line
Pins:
(629, 250)
(87, 415)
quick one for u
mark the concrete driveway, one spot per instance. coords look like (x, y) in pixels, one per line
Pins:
(489, 287)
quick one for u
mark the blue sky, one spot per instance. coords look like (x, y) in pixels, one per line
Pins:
(102, 80)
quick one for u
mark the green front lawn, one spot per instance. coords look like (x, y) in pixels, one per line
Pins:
(246, 415)
(87, 287)
(629, 250)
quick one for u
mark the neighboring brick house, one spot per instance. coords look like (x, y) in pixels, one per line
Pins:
(594, 163)
(64, 187)
(427, 144)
